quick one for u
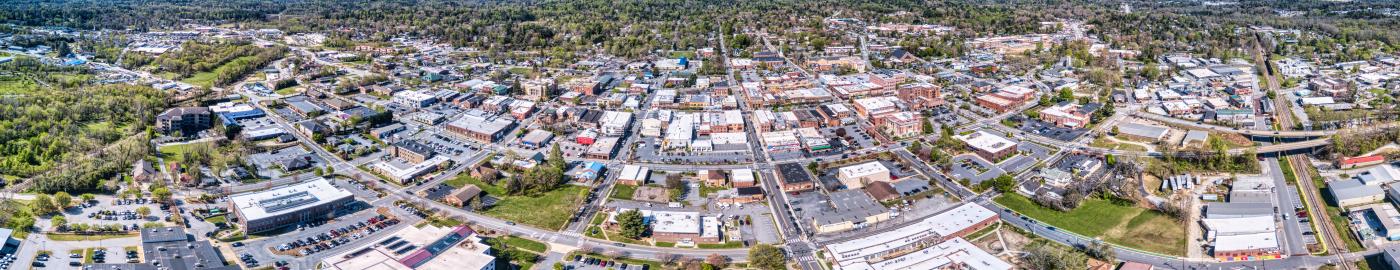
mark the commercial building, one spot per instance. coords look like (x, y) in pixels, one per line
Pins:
(480, 127)
(1142, 132)
(742, 178)
(633, 175)
(792, 177)
(921, 236)
(987, 145)
(275, 208)
(615, 123)
(847, 210)
(412, 151)
(537, 138)
(955, 253)
(684, 227)
(414, 99)
(405, 173)
(859, 175)
(171, 248)
(1354, 192)
(1068, 114)
(425, 248)
(1246, 247)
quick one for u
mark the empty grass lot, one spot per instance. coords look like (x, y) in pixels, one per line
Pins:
(550, 210)
(623, 192)
(1121, 224)
(525, 244)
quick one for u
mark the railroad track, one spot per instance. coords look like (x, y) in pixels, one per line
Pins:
(1316, 209)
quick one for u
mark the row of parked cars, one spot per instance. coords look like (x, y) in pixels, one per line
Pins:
(605, 263)
(338, 236)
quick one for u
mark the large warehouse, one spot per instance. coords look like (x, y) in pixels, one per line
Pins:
(288, 205)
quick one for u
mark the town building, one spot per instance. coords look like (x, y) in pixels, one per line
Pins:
(278, 207)
(188, 121)
(171, 248)
(481, 128)
(847, 210)
(921, 236)
(418, 248)
(412, 151)
(414, 99)
(859, 175)
(634, 175)
(988, 146)
(1068, 114)
(792, 177)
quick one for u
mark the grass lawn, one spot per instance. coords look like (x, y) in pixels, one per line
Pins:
(550, 210)
(666, 244)
(129, 249)
(76, 237)
(288, 91)
(594, 232)
(202, 79)
(526, 244)
(523, 71)
(687, 54)
(217, 219)
(706, 190)
(598, 219)
(444, 222)
(1104, 142)
(87, 256)
(459, 181)
(623, 192)
(617, 237)
(173, 153)
(1120, 224)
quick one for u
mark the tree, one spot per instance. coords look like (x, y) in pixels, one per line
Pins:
(1003, 183)
(43, 205)
(143, 211)
(161, 194)
(767, 257)
(62, 199)
(633, 226)
(1049, 256)
(717, 260)
(58, 222)
(558, 266)
(927, 127)
(87, 197)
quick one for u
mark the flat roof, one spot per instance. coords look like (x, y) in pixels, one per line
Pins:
(986, 141)
(849, 205)
(942, 224)
(863, 169)
(1240, 225)
(1141, 130)
(386, 254)
(955, 253)
(287, 199)
(1254, 241)
(675, 222)
(794, 173)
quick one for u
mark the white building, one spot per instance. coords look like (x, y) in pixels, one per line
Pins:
(857, 176)
(615, 123)
(414, 99)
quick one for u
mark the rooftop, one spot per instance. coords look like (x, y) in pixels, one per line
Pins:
(287, 199)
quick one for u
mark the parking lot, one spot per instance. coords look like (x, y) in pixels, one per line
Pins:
(974, 169)
(265, 251)
(1035, 126)
(445, 144)
(107, 209)
(267, 162)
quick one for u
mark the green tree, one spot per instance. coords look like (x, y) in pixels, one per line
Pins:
(143, 211)
(43, 205)
(59, 222)
(62, 200)
(1004, 183)
(162, 194)
(927, 127)
(632, 224)
(767, 257)
(87, 197)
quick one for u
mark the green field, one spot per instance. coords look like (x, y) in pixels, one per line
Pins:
(174, 153)
(1116, 223)
(623, 192)
(1103, 142)
(550, 210)
(526, 244)
(202, 79)
(288, 91)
